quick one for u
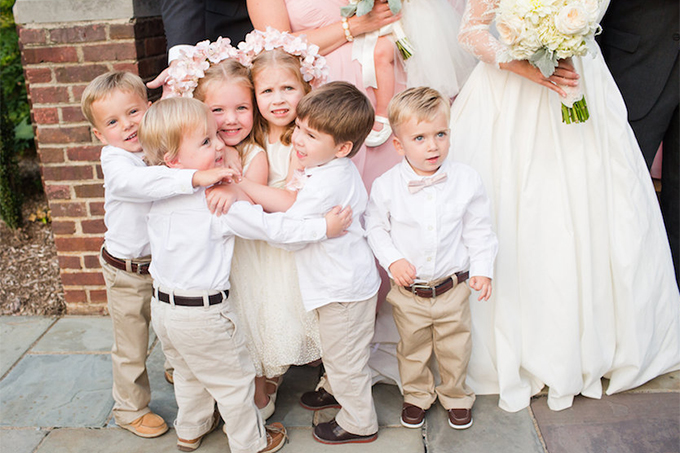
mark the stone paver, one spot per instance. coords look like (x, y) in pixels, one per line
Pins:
(493, 430)
(57, 391)
(17, 334)
(20, 440)
(624, 423)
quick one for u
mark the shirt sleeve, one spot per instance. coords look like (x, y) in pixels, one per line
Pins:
(377, 223)
(478, 235)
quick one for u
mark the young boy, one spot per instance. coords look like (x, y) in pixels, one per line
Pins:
(428, 223)
(114, 104)
(192, 252)
(338, 277)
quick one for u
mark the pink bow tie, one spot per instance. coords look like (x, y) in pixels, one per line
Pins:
(418, 184)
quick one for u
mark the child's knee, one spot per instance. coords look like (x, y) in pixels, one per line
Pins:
(384, 51)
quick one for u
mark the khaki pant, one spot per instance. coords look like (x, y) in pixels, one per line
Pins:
(441, 326)
(207, 350)
(129, 296)
(346, 329)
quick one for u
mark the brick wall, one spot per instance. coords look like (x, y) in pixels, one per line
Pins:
(59, 60)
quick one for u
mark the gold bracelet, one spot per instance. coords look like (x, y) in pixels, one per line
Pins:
(345, 28)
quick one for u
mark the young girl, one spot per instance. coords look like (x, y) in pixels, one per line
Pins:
(585, 287)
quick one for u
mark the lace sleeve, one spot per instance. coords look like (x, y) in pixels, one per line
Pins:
(474, 32)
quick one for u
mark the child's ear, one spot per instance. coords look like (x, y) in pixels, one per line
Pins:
(397, 146)
(171, 162)
(344, 149)
(99, 136)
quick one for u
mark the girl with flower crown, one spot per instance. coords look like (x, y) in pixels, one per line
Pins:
(585, 287)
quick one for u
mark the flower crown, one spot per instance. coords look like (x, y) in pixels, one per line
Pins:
(183, 76)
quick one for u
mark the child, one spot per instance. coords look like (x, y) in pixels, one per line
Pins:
(429, 225)
(338, 278)
(114, 104)
(193, 250)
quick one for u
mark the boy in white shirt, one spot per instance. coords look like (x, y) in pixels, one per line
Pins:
(428, 223)
(192, 252)
(338, 277)
(114, 104)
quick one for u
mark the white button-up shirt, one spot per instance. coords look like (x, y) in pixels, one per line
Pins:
(442, 229)
(192, 248)
(130, 187)
(341, 269)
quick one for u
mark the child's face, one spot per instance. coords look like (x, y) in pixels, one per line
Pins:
(278, 91)
(117, 117)
(425, 144)
(199, 150)
(314, 148)
(232, 107)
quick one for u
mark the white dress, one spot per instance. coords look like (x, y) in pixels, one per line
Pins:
(584, 285)
(266, 296)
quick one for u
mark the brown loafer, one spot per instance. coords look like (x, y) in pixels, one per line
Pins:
(276, 438)
(412, 416)
(332, 433)
(460, 418)
(318, 399)
(148, 425)
(169, 376)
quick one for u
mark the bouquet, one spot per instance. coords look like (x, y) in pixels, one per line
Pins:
(361, 7)
(545, 31)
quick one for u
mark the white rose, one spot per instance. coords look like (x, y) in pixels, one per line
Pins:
(510, 29)
(572, 20)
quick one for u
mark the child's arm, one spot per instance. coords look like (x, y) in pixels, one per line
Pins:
(220, 198)
(205, 178)
(483, 285)
(270, 198)
(403, 272)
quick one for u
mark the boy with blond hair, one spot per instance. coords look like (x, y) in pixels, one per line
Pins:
(114, 104)
(192, 251)
(428, 223)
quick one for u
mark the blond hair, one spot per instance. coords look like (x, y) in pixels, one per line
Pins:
(340, 110)
(166, 123)
(103, 85)
(421, 103)
(264, 62)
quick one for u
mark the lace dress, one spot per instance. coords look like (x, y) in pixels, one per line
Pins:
(266, 296)
(584, 285)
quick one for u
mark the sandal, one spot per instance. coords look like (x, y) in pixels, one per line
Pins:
(276, 383)
(377, 138)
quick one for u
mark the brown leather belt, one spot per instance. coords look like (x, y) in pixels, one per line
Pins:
(434, 291)
(141, 269)
(185, 301)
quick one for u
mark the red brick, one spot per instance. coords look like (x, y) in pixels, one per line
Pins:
(75, 296)
(91, 261)
(88, 33)
(51, 155)
(38, 75)
(48, 115)
(82, 279)
(98, 171)
(90, 190)
(77, 91)
(155, 46)
(96, 208)
(95, 226)
(110, 52)
(78, 244)
(63, 227)
(121, 31)
(148, 27)
(98, 295)
(152, 66)
(64, 134)
(80, 73)
(50, 55)
(32, 35)
(57, 192)
(69, 262)
(84, 153)
(67, 209)
(67, 173)
(48, 95)
(72, 114)
(86, 309)
(129, 67)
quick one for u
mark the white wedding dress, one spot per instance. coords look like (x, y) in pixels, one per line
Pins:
(584, 285)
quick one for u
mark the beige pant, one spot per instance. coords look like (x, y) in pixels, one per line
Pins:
(346, 329)
(207, 350)
(129, 296)
(440, 325)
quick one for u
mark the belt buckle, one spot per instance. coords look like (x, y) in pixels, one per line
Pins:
(140, 268)
(420, 286)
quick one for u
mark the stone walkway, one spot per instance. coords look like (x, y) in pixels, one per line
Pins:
(55, 397)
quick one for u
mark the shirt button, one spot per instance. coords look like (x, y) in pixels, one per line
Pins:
(429, 197)
(430, 227)
(429, 258)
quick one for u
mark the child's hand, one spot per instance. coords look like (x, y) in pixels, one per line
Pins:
(403, 272)
(483, 285)
(337, 221)
(232, 159)
(203, 178)
(220, 198)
